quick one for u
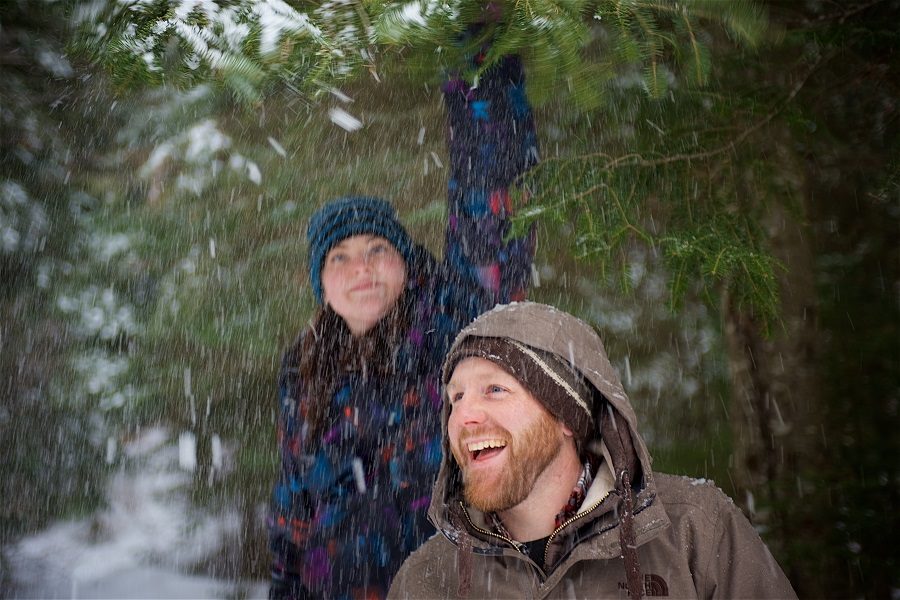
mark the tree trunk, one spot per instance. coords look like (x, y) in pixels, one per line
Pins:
(775, 418)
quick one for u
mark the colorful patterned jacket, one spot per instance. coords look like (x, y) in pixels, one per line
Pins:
(351, 505)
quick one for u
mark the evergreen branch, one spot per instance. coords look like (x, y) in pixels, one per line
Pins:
(715, 268)
(738, 16)
(628, 224)
(637, 160)
(695, 49)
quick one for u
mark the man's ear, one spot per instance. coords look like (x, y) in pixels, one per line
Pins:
(566, 431)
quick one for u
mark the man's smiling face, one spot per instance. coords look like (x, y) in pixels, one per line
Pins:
(502, 438)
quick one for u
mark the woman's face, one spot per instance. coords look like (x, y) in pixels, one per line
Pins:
(362, 278)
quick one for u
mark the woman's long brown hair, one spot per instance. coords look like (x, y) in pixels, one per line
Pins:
(329, 350)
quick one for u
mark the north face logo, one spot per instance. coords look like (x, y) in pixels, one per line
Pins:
(654, 585)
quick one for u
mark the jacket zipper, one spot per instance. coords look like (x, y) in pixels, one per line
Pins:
(519, 546)
(513, 543)
(572, 520)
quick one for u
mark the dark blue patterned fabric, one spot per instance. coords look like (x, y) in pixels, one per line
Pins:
(351, 505)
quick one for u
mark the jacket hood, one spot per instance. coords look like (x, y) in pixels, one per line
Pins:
(615, 423)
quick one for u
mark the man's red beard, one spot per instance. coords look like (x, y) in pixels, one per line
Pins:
(507, 484)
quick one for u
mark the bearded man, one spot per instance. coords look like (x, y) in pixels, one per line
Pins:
(546, 488)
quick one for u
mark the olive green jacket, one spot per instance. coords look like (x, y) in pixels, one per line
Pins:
(692, 541)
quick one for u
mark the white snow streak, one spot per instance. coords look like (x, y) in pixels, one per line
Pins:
(344, 120)
(278, 147)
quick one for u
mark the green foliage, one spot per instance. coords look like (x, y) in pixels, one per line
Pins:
(249, 45)
(243, 45)
(706, 235)
(676, 172)
(593, 53)
(657, 39)
(708, 256)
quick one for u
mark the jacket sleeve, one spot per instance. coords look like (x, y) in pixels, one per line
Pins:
(491, 142)
(292, 508)
(741, 565)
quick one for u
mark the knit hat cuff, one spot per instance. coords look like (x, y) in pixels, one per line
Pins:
(551, 381)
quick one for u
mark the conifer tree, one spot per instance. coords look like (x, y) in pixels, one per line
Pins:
(48, 438)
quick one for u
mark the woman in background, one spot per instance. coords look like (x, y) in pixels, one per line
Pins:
(359, 425)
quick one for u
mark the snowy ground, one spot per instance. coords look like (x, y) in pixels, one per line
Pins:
(143, 545)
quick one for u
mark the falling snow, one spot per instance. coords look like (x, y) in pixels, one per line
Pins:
(153, 259)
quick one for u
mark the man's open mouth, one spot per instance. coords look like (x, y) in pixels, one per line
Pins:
(485, 449)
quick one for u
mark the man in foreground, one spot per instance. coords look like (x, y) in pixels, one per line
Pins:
(546, 489)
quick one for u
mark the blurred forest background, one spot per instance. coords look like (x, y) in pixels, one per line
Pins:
(719, 195)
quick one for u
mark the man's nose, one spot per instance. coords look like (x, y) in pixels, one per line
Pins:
(469, 410)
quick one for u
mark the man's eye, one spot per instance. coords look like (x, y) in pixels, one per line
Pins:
(378, 249)
(454, 398)
(336, 258)
(495, 389)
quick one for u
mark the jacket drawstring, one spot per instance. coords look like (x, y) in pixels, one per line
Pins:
(615, 431)
(626, 539)
(463, 556)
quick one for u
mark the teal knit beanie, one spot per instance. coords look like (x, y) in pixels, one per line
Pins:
(349, 216)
